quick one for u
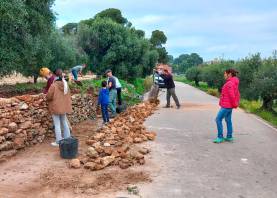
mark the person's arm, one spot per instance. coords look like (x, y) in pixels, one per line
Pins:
(231, 94)
(48, 85)
(50, 93)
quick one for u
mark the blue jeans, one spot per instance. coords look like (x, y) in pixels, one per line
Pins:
(227, 114)
(75, 74)
(105, 114)
(58, 120)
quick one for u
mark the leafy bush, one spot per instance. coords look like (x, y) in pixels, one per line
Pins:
(193, 74)
(213, 92)
(147, 83)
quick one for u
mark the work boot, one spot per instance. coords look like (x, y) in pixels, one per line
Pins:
(218, 140)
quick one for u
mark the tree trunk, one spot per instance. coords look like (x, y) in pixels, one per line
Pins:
(268, 103)
(196, 83)
(35, 78)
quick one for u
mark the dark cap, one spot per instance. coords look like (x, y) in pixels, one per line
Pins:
(108, 70)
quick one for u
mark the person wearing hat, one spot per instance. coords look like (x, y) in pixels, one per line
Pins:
(49, 76)
(112, 91)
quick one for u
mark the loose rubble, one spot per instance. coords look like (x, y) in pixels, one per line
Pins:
(114, 144)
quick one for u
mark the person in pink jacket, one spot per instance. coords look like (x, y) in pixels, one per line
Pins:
(229, 99)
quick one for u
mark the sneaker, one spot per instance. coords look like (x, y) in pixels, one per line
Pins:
(55, 144)
(178, 107)
(218, 140)
(166, 106)
(229, 139)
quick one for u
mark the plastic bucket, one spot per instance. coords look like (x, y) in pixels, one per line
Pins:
(69, 148)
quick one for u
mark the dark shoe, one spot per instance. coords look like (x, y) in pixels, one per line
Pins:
(166, 106)
(178, 107)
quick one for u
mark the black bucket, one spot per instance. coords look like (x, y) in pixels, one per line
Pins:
(69, 148)
(121, 108)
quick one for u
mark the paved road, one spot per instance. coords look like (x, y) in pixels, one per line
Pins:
(189, 165)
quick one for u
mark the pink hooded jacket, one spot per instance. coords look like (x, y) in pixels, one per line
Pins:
(230, 95)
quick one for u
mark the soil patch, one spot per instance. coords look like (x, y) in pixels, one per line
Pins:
(39, 171)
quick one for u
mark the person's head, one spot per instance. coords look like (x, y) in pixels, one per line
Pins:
(45, 72)
(230, 73)
(58, 72)
(104, 83)
(84, 65)
(109, 73)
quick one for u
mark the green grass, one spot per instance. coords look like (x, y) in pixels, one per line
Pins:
(25, 87)
(131, 93)
(255, 107)
(249, 106)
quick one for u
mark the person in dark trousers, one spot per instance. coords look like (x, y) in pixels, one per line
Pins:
(112, 92)
(103, 100)
(118, 90)
(170, 86)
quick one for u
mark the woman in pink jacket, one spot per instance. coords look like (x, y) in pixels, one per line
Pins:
(229, 99)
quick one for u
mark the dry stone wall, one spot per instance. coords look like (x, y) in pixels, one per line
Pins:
(25, 120)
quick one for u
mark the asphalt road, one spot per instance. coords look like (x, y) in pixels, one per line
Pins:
(189, 165)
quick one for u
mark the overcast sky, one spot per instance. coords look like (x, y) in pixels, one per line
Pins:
(211, 28)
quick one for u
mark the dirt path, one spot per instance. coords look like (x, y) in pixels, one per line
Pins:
(40, 172)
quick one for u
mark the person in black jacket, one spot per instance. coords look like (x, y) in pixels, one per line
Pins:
(170, 86)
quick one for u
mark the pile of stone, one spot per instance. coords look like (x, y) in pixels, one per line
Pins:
(114, 144)
(25, 120)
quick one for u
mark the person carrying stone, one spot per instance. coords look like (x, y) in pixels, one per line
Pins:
(59, 104)
(170, 87)
(77, 70)
(112, 92)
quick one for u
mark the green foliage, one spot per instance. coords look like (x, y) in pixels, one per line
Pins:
(255, 107)
(13, 35)
(111, 45)
(148, 82)
(264, 83)
(25, 26)
(70, 28)
(158, 38)
(213, 74)
(247, 68)
(193, 74)
(113, 14)
(185, 61)
(213, 92)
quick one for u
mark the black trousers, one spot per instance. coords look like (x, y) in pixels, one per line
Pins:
(119, 96)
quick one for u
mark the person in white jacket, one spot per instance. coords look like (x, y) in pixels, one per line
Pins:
(118, 90)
